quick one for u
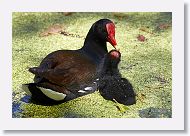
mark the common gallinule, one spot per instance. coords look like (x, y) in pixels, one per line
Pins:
(67, 74)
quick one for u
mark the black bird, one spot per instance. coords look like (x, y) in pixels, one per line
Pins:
(111, 84)
(67, 74)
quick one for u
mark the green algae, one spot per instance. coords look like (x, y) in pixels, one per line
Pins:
(147, 65)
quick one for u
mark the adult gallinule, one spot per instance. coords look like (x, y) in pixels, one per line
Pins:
(67, 74)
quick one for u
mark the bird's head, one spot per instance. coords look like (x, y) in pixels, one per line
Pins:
(113, 57)
(105, 30)
(115, 54)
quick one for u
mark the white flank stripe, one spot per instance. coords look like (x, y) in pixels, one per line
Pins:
(52, 94)
(82, 91)
(88, 88)
(25, 88)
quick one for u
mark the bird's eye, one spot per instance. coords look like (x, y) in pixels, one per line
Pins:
(101, 30)
(104, 31)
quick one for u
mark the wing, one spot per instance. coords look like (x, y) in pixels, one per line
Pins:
(45, 65)
(71, 72)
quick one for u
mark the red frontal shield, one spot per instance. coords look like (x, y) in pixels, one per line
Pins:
(111, 34)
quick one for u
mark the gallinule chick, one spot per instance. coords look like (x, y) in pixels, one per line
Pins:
(67, 74)
(111, 84)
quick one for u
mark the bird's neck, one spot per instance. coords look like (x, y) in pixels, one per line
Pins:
(108, 68)
(94, 47)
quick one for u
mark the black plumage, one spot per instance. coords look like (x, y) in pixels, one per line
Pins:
(67, 74)
(111, 84)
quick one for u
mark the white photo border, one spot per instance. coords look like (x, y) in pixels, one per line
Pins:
(174, 123)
